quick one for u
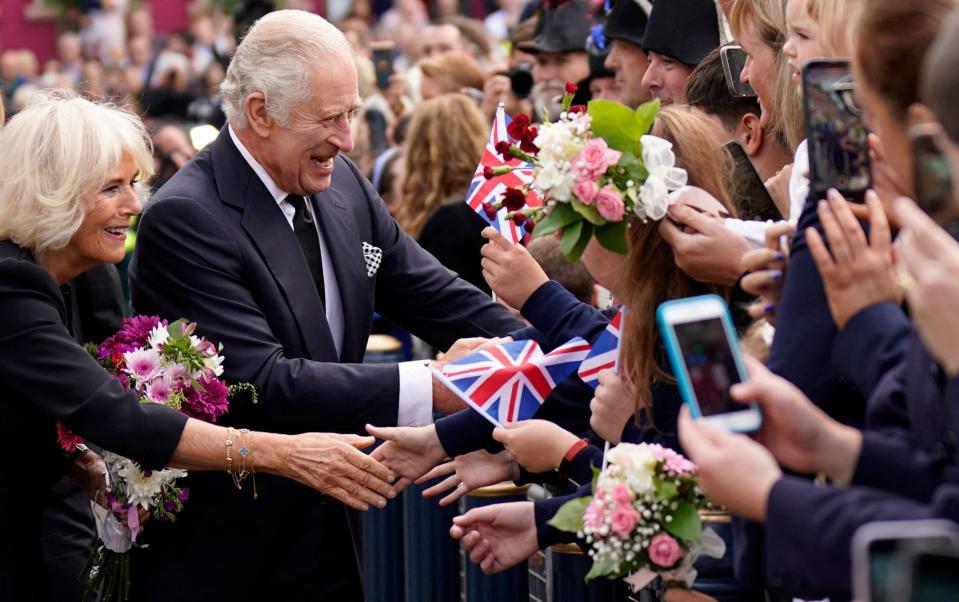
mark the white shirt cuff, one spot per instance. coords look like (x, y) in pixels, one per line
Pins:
(416, 394)
(754, 232)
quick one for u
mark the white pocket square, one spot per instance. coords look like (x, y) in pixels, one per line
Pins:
(372, 256)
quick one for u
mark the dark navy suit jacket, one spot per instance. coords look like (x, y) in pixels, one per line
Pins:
(214, 247)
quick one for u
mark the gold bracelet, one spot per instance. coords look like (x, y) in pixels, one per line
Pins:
(229, 450)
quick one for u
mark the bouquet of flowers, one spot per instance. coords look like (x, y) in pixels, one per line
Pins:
(166, 364)
(592, 168)
(643, 519)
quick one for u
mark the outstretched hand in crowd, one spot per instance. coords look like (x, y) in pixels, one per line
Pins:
(498, 536)
(468, 472)
(537, 445)
(509, 269)
(612, 406)
(409, 451)
(857, 272)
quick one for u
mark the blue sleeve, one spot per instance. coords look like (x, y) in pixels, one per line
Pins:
(544, 510)
(559, 316)
(873, 341)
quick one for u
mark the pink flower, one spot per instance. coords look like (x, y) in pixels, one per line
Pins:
(142, 363)
(585, 190)
(594, 515)
(595, 158)
(160, 390)
(67, 439)
(624, 520)
(610, 204)
(622, 495)
(664, 551)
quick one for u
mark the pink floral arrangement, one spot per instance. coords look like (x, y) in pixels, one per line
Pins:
(642, 520)
(166, 364)
(593, 167)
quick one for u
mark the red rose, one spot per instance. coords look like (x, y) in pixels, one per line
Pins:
(577, 109)
(502, 147)
(488, 172)
(514, 199)
(517, 128)
(571, 88)
(489, 210)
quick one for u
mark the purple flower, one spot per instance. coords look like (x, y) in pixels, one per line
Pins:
(142, 363)
(159, 390)
(169, 506)
(184, 494)
(208, 404)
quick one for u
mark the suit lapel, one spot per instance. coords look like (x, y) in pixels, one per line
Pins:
(267, 227)
(346, 254)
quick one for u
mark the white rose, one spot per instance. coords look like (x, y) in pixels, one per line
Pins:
(659, 160)
(653, 195)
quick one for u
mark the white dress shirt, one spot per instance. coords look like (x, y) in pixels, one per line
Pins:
(415, 405)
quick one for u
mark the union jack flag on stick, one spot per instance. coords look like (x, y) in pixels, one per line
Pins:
(605, 353)
(509, 382)
(487, 190)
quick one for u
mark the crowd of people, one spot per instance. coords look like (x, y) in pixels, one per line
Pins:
(334, 189)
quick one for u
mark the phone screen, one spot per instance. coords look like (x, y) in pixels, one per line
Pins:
(734, 60)
(837, 138)
(710, 364)
(882, 555)
(383, 66)
(935, 577)
(750, 197)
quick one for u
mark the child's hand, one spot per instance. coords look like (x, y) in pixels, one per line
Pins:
(538, 445)
(510, 270)
(612, 406)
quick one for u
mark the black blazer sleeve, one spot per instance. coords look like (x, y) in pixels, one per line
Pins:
(44, 366)
(873, 341)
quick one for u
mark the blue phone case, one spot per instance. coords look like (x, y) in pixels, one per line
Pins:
(676, 355)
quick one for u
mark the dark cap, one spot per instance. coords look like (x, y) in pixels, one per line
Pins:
(686, 30)
(597, 70)
(563, 29)
(626, 21)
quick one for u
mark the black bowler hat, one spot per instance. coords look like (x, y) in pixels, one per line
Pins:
(564, 28)
(626, 21)
(686, 30)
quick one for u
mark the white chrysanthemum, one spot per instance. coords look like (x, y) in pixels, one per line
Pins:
(660, 161)
(158, 336)
(215, 364)
(558, 142)
(555, 180)
(143, 490)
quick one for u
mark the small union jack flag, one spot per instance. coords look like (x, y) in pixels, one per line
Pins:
(509, 382)
(605, 353)
(482, 190)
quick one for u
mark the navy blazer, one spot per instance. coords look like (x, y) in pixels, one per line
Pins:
(215, 247)
(46, 376)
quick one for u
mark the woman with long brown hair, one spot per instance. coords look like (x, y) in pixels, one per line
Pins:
(443, 147)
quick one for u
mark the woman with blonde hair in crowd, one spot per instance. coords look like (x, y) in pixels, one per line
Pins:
(452, 71)
(442, 149)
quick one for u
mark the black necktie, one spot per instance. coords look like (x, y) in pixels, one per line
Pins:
(309, 240)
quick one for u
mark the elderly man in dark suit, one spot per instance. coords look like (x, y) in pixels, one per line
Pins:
(278, 247)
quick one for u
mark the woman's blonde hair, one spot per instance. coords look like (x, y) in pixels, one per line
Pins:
(653, 274)
(831, 16)
(443, 147)
(58, 153)
(785, 116)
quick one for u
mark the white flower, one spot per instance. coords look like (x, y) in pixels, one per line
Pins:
(558, 142)
(214, 363)
(158, 336)
(660, 161)
(638, 465)
(556, 181)
(653, 195)
(143, 490)
(142, 364)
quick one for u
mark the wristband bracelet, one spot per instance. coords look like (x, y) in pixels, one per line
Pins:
(574, 449)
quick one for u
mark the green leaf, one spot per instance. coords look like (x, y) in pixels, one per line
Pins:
(616, 124)
(572, 246)
(665, 490)
(588, 211)
(613, 236)
(645, 115)
(559, 217)
(570, 238)
(601, 568)
(685, 524)
(570, 515)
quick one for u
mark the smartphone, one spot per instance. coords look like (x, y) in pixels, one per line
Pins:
(837, 139)
(932, 177)
(383, 53)
(751, 198)
(704, 352)
(929, 576)
(734, 59)
(880, 548)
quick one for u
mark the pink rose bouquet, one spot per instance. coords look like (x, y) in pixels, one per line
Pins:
(642, 520)
(165, 364)
(592, 169)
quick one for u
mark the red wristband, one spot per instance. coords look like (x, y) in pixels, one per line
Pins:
(575, 448)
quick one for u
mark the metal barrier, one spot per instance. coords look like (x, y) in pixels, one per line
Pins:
(511, 584)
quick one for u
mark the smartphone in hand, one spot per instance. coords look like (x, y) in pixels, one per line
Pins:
(383, 53)
(751, 198)
(837, 138)
(733, 59)
(704, 353)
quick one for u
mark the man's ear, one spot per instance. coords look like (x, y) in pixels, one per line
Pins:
(258, 118)
(751, 135)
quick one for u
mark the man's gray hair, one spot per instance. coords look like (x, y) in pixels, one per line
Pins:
(276, 58)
